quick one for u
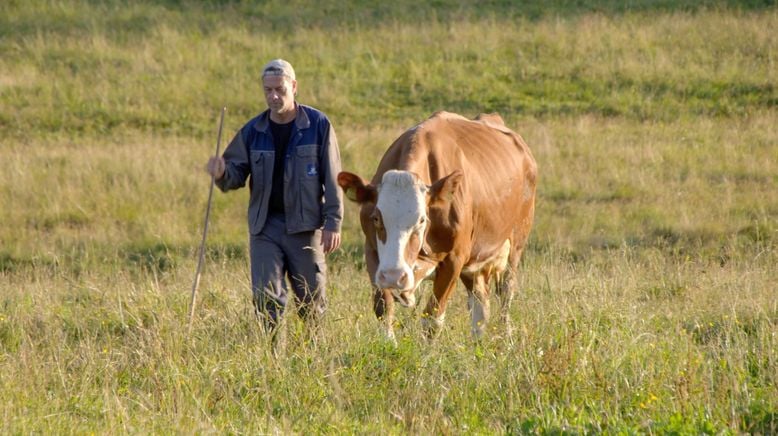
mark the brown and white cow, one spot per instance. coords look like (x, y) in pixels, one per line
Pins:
(454, 197)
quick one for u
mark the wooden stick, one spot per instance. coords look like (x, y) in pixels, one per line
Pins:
(201, 258)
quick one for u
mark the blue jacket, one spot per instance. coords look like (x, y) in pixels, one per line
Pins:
(312, 198)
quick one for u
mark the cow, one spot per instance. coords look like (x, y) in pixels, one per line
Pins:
(452, 198)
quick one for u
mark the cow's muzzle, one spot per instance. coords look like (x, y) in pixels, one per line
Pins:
(396, 278)
(405, 298)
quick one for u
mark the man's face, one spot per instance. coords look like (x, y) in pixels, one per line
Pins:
(279, 94)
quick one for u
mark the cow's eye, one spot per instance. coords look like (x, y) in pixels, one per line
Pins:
(422, 220)
(376, 221)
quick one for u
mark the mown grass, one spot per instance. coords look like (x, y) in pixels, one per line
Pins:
(648, 292)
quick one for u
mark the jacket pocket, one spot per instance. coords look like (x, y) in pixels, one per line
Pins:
(311, 200)
(307, 161)
(307, 172)
(261, 168)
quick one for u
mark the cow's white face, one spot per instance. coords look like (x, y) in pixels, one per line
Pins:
(400, 220)
(395, 221)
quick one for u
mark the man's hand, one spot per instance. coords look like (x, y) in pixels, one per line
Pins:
(215, 167)
(330, 241)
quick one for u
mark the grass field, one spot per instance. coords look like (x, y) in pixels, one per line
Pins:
(648, 298)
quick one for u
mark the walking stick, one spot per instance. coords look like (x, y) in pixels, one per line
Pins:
(205, 231)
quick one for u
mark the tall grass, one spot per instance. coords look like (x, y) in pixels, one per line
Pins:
(647, 300)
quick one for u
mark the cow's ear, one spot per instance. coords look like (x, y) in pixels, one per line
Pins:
(356, 188)
(444, 189)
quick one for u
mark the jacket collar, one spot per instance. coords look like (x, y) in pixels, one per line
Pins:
(301, 120)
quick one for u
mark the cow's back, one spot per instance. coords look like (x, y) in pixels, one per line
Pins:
(446, 142)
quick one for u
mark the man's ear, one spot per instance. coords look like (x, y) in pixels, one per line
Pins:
(442, 192)
(356, 188)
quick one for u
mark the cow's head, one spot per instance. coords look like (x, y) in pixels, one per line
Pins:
(395, 218)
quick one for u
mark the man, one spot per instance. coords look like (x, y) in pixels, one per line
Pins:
(295, 207)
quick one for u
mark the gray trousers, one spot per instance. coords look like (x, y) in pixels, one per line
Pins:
(275, 256)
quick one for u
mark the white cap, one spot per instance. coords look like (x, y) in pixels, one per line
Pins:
(278, 67)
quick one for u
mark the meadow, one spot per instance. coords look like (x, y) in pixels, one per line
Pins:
(648, 299)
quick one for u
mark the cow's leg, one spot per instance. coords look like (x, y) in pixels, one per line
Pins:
(383, 306)
(444, 284)
(478, 302)
(506, 286)
(383, 300)
(479, 305)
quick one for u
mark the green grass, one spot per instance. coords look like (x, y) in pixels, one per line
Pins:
(647, 299)
(106, 70)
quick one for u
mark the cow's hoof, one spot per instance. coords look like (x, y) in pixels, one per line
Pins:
(431, 326)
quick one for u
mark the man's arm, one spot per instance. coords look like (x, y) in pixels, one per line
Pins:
(333, 196)
(232, 169)
(330, 241)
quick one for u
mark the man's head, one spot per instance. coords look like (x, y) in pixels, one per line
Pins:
(280, 87)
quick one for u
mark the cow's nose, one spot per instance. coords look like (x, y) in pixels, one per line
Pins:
(393, 278)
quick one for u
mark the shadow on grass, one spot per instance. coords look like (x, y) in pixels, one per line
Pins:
(10, 263)
(160, 257)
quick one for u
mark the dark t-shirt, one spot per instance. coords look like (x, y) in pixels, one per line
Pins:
(281, 134)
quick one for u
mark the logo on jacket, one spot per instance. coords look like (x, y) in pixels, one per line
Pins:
(311, 170)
